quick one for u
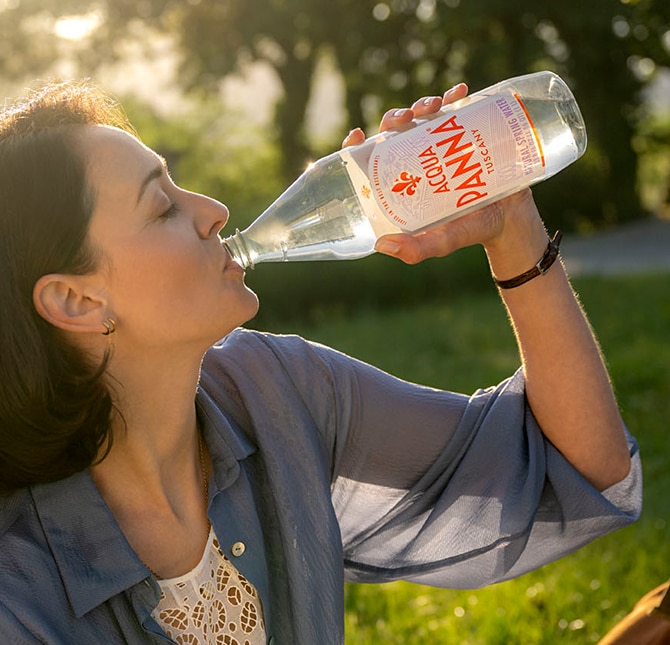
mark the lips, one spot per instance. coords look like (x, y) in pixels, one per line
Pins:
(229, 261)
(230, 264)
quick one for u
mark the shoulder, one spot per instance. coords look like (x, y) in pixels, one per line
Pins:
(258, 377)
(249, 343)
(263, 357)
(26, 562)
(22, 538)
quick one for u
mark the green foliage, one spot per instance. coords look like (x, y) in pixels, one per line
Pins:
(651, 144)
(318, 290)
(412, 48)
(28, 43)
(464, 343)
(389, 53)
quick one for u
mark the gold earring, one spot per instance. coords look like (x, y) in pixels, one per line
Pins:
(109, 325)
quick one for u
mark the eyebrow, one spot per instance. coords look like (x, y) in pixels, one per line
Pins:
(154, 173)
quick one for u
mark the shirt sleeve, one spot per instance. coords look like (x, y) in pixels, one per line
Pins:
(459, 491)
(427, 485)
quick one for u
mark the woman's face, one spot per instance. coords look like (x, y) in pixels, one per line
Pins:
(163, 272)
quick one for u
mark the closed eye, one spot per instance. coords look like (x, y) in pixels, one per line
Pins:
(172, 210)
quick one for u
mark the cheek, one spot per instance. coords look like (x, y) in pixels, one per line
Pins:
(145, 274)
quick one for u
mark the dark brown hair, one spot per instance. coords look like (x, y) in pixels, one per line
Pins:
(54, 405)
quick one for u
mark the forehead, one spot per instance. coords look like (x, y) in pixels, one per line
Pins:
(114, 156)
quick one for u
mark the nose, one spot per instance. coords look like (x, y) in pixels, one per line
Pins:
(210, 215)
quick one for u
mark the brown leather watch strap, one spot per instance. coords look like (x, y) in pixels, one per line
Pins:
(542, 266)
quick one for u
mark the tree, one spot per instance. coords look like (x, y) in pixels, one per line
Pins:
(390, 52)
(28, 42)
(221, 37)
(595, 48)
(582, 47)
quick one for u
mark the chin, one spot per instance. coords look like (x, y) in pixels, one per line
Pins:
(254, 303)
(252, 313)
(246, 308)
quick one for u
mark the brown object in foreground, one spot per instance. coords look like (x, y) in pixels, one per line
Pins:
(647, 624)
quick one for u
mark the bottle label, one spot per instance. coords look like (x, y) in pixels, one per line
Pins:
(460, 160)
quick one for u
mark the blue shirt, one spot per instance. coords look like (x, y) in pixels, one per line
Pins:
(326, 469)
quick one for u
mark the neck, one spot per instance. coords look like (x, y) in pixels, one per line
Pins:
(155, 436)
(152, 479)
(155, 396)
(157, 491)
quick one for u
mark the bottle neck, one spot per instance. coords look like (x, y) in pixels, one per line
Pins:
(238, 250)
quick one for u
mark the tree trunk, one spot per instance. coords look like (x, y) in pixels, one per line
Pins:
(296, 78)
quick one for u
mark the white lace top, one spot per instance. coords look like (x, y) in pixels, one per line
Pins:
(212, 604)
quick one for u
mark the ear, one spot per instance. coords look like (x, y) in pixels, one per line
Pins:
(70, 302)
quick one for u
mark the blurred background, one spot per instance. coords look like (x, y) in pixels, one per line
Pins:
(239, 95)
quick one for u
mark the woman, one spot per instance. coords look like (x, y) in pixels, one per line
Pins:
(148, 491)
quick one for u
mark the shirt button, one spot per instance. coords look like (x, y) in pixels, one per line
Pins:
(238, 549)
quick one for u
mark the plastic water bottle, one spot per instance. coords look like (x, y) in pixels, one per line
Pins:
(469, 154)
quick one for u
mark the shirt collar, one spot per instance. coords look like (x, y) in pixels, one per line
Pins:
(94, 558)
(228, 444)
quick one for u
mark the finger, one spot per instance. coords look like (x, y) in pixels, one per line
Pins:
(455, 93)
(395, 118)
(426, 105)
(355, 137)
(444, 238)
(412, 249)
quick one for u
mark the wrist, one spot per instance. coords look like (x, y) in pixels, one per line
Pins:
(541, 267)
(520, 244)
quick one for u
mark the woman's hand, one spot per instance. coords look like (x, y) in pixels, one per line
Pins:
(485, 226)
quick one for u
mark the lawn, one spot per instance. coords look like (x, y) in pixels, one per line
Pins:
(464, 344)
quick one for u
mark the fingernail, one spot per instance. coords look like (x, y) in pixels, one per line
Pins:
(401, 112)
(351, 133)
(451, 90)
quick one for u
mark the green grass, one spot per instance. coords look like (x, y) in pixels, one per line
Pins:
(463, 344)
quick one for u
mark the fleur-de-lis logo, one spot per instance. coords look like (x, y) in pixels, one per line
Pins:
(365, 191)
(406, 183)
